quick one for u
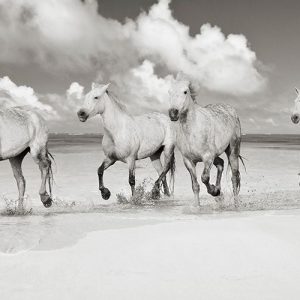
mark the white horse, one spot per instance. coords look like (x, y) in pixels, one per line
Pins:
(23, 130)
(203, 134)
(295, 117)
(129, 138)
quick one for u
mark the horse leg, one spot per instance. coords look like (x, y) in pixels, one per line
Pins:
(169, 159)
(211, 189)
(131, 177)
(233, 152)
(191, 167)
(16, 165)
(155, 159)
(219, 163)
(44, 163)
(105, 193)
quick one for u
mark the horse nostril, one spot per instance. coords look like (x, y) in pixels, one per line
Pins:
(173, 114)
(81, 113)
(295, 118)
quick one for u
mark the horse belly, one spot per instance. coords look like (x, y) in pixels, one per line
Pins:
(223, 138)
(152, 137)
(13, 139)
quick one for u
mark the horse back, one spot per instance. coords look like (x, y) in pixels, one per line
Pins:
(224, 124)
(223, 115)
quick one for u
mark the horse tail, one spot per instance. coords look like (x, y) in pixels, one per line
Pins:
(172, 172)
(50, 160)
(242, 161)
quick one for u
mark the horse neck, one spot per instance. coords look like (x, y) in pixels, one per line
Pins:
(188, 117)
(113, 116)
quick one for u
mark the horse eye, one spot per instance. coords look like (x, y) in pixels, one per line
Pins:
(185, 92)
(96, 97)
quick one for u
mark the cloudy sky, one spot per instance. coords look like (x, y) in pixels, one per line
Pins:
(245, 53)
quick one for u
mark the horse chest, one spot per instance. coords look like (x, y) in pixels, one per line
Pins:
(117, 149)
(194, 145)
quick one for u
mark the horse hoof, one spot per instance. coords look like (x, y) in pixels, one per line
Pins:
(216, 192)
(105, 193)
(155, 194)
(48, 202)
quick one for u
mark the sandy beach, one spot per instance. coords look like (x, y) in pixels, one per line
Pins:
(84, 246)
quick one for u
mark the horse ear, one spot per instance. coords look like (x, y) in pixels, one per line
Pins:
(297, 91)
(94, 85)
(180, 75)
(106, 86)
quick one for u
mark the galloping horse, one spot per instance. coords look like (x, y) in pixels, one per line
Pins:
(23, 130)
(203, 134)
(129, 138)
(295, 117)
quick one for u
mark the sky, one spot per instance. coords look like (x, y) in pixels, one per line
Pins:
(244, 53)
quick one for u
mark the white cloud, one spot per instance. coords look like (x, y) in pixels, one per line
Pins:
(74, 37)
(75, 91)
(142, 88)
(75, 96)
(13, 95)
(271, 121)
(219, 63)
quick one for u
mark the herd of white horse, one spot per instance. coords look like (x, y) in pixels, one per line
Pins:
(201, 134)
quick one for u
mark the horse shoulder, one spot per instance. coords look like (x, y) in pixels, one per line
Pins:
(119, 147)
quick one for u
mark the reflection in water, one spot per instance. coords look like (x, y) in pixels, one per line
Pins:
(61, 227)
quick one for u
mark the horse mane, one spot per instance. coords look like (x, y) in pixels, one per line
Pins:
(183, 77)
(192, 92)
(114, 98)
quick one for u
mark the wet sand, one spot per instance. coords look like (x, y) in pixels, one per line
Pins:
(84, 246)
(254, 254)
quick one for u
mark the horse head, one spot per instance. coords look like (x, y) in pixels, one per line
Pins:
(181, 95)
(93, 102)
(295, 117)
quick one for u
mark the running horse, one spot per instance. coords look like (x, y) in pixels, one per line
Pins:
(295, 117)
(23, 130)
(202, 135)
(128, 138)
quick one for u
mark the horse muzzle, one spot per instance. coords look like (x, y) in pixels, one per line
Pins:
(174, 114)
(82, 115)
(295, 118)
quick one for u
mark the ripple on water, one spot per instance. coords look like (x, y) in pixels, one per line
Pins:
(65, 223)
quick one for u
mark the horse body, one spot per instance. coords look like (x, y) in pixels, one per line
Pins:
(212, 138)
(20, 128)
(202, 135)
(23, 130)
(128, 138)
(154, 131)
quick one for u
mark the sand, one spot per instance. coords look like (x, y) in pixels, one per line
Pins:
(85, 247)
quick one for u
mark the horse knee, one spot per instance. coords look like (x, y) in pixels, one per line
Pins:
(205, 178)
(236, 173)
(236, 179)
(131, 179)
(44, 162)
(196, 187)
(221, 166)
(100, 170)
(22, 181)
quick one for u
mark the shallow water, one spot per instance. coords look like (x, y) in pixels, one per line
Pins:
(270, 183)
